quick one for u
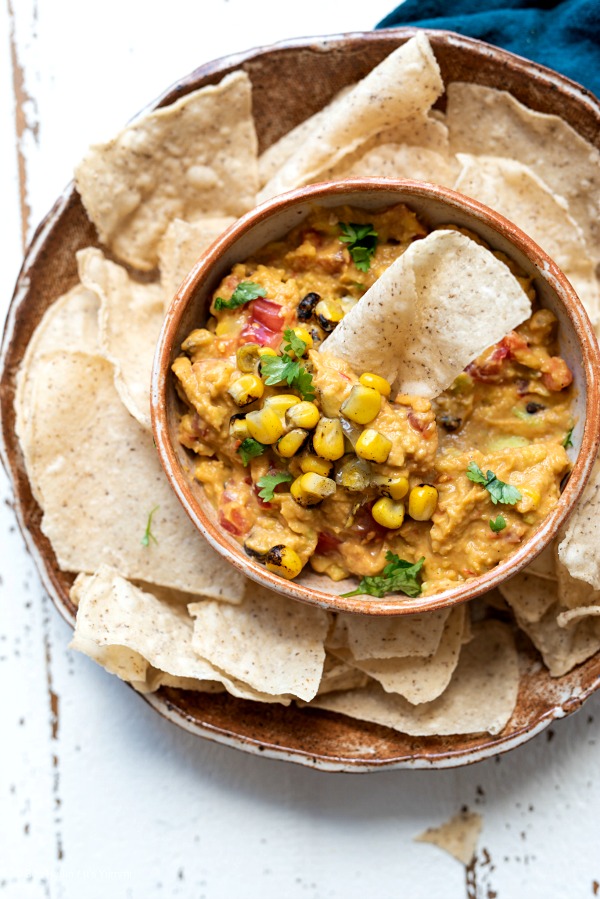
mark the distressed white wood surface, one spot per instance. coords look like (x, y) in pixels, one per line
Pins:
(99, 797)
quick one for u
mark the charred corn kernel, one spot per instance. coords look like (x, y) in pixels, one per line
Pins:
(280, 403)
(388, 513)
(368, 379)
(362, 404)
(247, 357)
(422, 502)
(316, 464)
(238, 427)
(304, 336)
(266, 351)
(531, 498)
(329, 314)
(291, 442)
(197, 339)
(373, 446)
(310, 489)
(328, 439)
(303, 415)
(284, 560)
(265, 425)
(354, 474)
(396, 488)
(246, 390)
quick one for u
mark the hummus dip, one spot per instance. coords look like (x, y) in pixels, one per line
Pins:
(310, 462)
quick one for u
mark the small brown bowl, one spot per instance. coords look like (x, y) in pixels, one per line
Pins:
(435, 205)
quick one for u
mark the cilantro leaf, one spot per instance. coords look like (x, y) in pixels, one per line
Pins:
(399, 576)
(249, 448)
(567, 442)
(269, 482)
(362, 243)
(499, 491)
(284, 368)
(148, 535)
(294, 344)
(499, 524)
(244, 292)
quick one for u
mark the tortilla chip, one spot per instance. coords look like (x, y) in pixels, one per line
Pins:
(528, 595)
(339, 675)
(458, 836)
(543, 566)
(562, 648)
(71, 323)
(392, 637)
(516, 192)
(183, 243)
(578, 550)
(486, 121)
(275, 156)
(401, 161)
(131, 316)
(436, 308)
(194, 158)
(401, 88)
(131, 633)
(270, 642)
(420, 679)
(99, 475)
(480, 697)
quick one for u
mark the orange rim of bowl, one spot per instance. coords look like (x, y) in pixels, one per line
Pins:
(393, 604)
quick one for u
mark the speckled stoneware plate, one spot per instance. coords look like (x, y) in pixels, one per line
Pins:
(315, 738)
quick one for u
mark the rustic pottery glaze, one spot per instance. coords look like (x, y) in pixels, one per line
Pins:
(311, 737)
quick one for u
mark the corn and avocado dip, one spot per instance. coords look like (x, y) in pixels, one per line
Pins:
(310, 462)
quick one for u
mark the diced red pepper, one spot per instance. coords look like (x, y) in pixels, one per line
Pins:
(267, 313)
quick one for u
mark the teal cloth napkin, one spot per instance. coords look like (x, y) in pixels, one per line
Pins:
(563, 35)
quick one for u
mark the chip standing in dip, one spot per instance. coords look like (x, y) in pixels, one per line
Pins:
(340, 418)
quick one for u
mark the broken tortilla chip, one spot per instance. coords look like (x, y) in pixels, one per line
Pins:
(402, 87)
(96, 512)
(182, 245)
(458, 836)
(389, 638)
(578, 550)
(131, 316)
(131, 633)
(273, 643)
(194, 158)
(516, 192)
(434, 310)
(480, 697)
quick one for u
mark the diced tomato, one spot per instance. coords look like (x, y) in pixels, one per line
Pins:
(267, 313)
(418, 424)
(490, 367)
(231, 516)
(327, 543)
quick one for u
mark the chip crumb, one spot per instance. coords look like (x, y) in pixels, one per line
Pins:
(458, 836)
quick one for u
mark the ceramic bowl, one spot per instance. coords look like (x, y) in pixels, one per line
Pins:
(310, 737)
(434, 205)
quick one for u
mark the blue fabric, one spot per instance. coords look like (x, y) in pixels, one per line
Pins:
(561, 34)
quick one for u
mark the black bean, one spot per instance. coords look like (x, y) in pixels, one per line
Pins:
(450, 422)
(532, 408)
(306, 306)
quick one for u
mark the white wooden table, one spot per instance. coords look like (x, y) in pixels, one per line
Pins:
(99, 797)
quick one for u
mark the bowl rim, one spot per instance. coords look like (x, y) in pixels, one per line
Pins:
(180, 481)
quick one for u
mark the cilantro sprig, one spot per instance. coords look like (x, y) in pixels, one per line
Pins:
(148, 535)
(286, 367)
(269, 482)
(249, 448)
(399, 576)
(499, 491)
(244, 293)
(361, 241)
(568, 441)
(498, 524)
